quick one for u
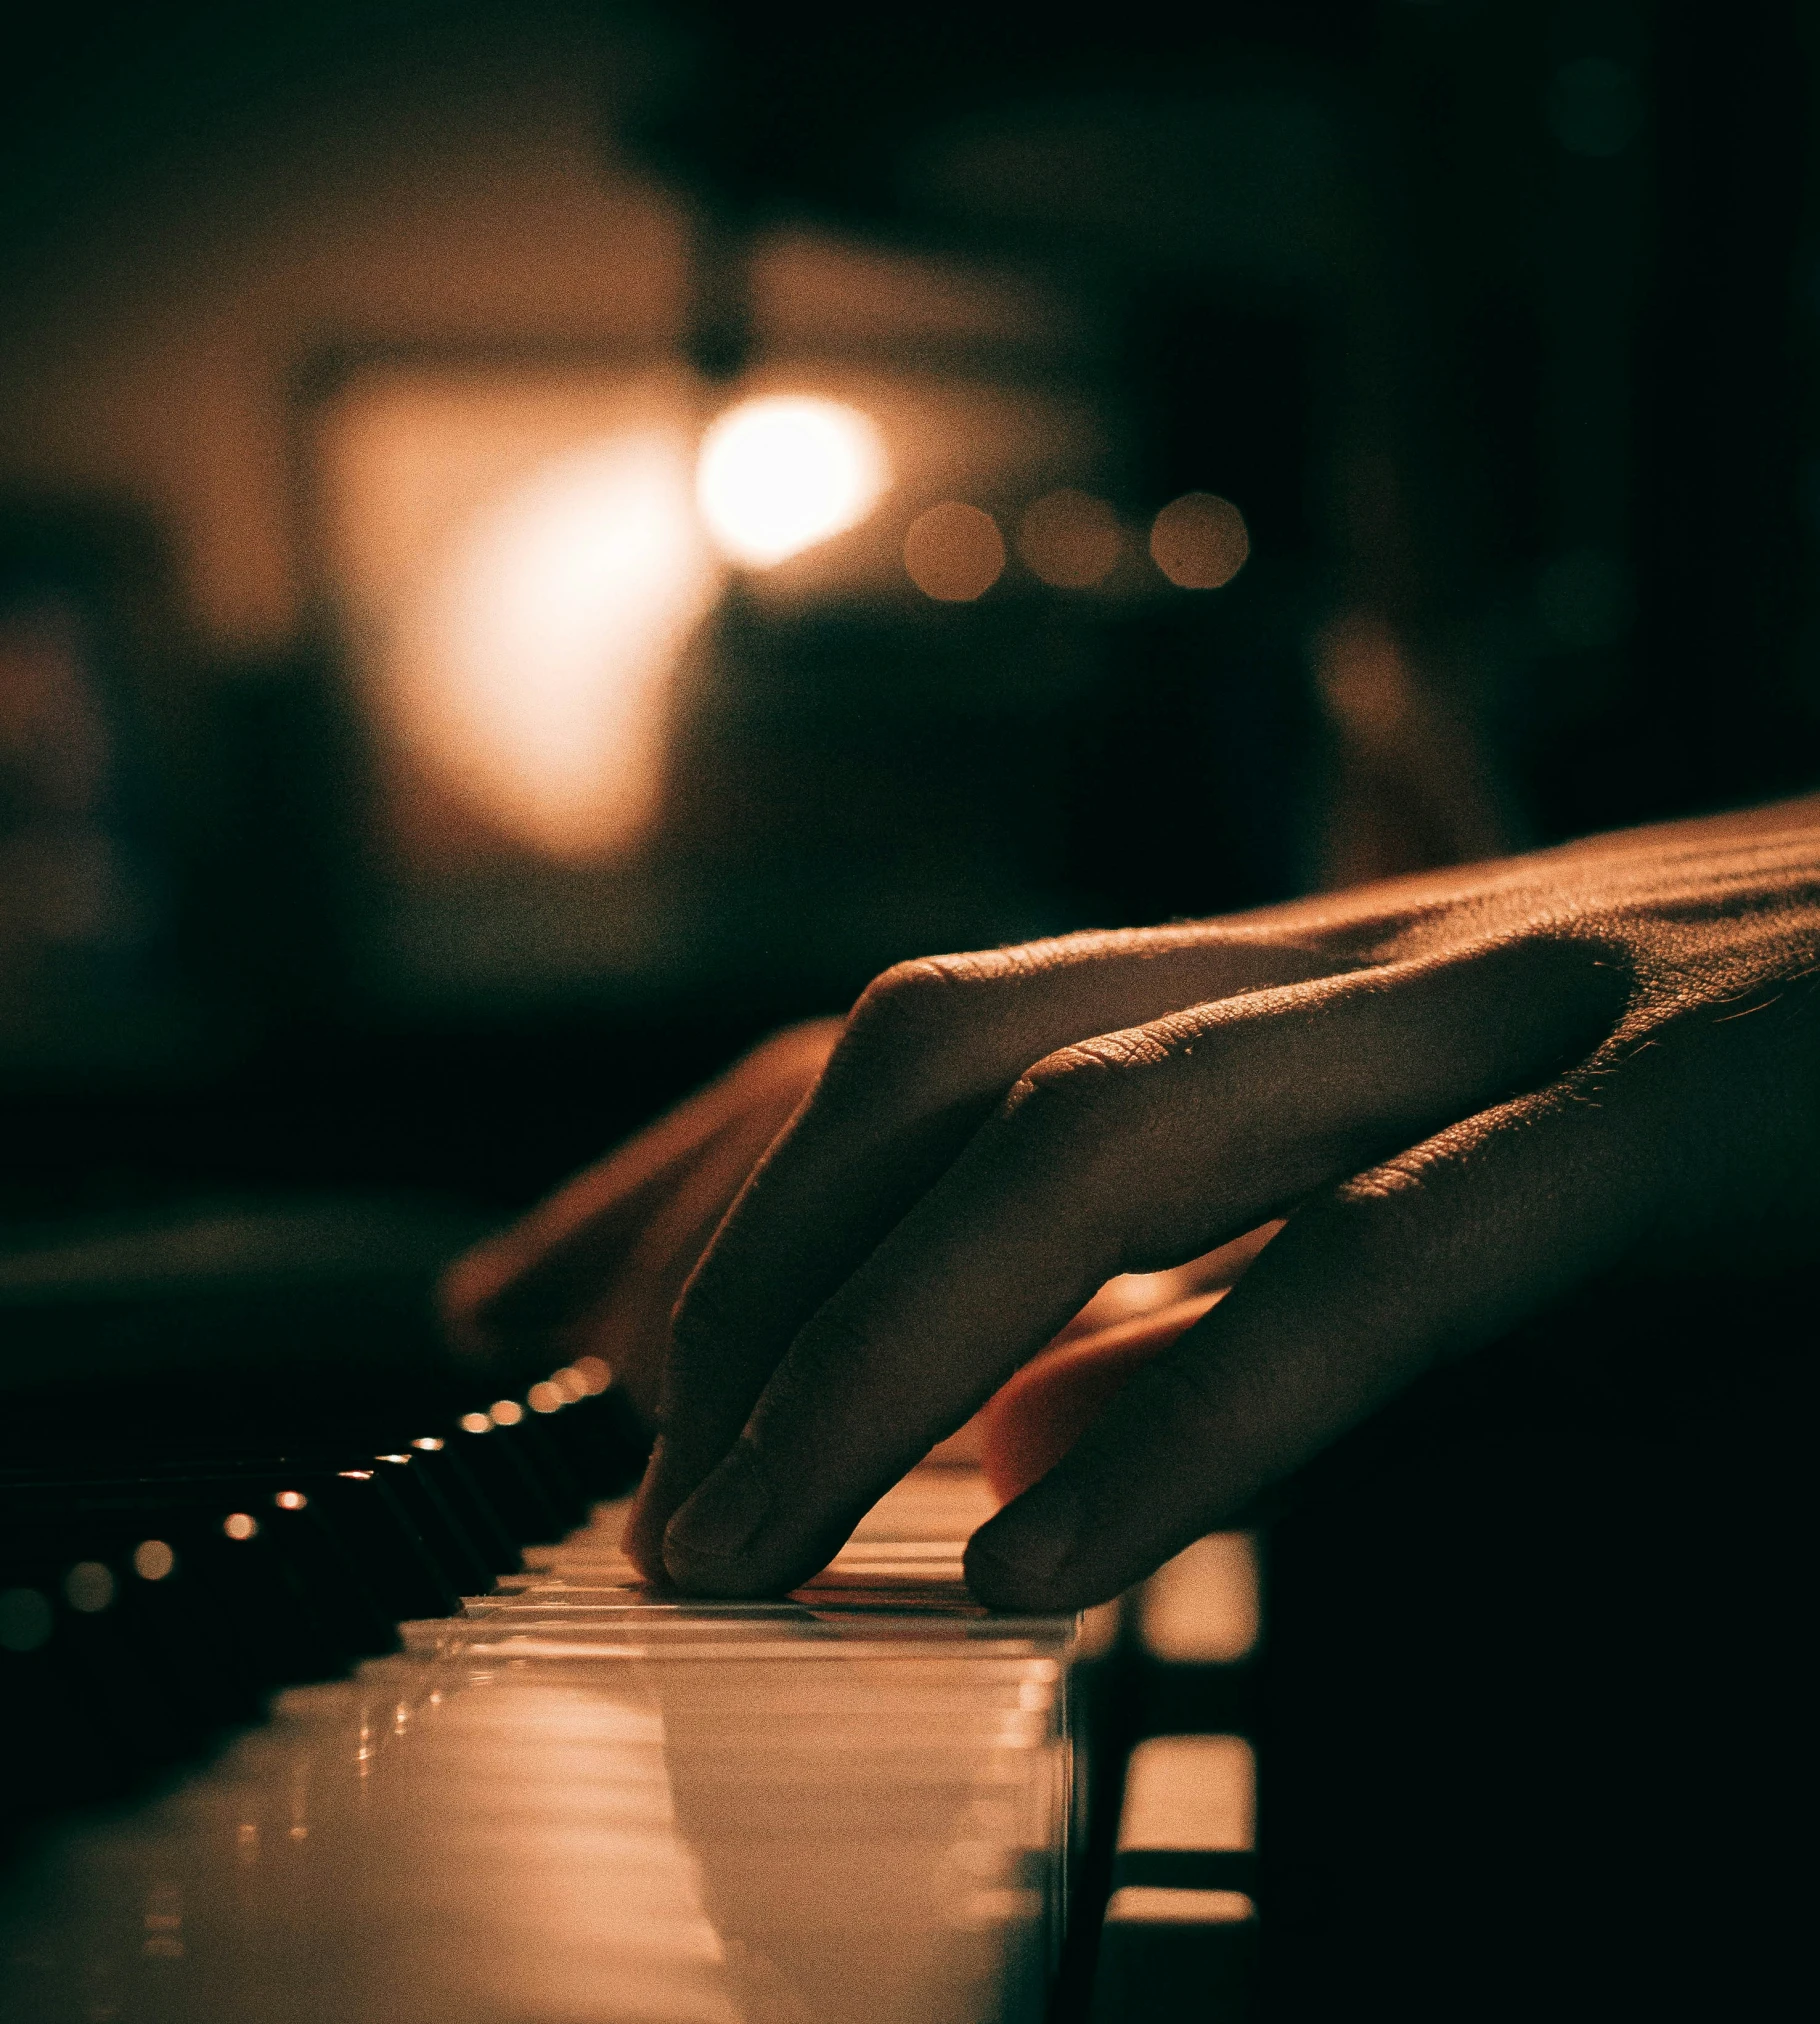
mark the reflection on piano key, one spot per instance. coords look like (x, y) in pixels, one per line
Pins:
(1179, 1933)
(1197, 1622)
(1175, 1957)
(1202, 1607)
(1187, 1797)
(581, 1803)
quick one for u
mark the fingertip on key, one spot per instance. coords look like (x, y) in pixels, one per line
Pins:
(706, 1545)
(1022, 1559)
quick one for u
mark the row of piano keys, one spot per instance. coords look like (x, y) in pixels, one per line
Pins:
(553, 1796)
(148, 1598)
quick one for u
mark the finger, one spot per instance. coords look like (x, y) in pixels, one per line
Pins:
(1433, 1254)
(544, 1273)
(629, 1324)
(1134, 1152)
(1032, 1420)
(930, 1049)
(1134, 1294)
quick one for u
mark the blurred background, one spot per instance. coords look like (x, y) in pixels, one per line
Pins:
(538, 542)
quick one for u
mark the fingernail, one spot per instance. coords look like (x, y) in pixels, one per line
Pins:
(721, 1520)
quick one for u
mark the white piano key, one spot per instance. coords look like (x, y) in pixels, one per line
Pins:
(579, 1804)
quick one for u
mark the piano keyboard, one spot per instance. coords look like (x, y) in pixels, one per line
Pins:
(496, 1781)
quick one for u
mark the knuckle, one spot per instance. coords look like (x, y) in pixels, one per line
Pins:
(927, 1019)
(1077, 1095)
(910, 1007)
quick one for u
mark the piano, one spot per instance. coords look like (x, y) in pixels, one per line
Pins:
(328, 1696)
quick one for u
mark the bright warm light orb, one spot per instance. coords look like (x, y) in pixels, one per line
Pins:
(778, 474)
(561, 618)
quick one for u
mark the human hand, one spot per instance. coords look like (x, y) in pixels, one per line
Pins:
(1466, 1093)
(596, 1269)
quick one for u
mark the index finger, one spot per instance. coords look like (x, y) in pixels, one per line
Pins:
(930, 1049)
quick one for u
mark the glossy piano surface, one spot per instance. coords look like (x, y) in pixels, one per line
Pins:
(576, 1803)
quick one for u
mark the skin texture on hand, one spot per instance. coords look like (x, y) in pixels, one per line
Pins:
(1465, 1094)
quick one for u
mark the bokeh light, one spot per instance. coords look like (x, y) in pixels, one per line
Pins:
(1200, 541)
(954, 552)
(153, 1560)
(240, 1525)
(88, 1587)
(781, 473)
(1070, 539)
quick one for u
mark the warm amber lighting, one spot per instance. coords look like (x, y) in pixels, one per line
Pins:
(89, 1587)
(1070, 539)
(545, 1398)
(240, 1525)
(595, 1373)
(570, 1383)
(475, 1423)
(954, 552)
(781, 473)
(560, 619)
(507, 1413)
(355, 1475)
(291, 1500)
(429, 1444)
(400, 1460)
(153, 1560)
(1200, 541)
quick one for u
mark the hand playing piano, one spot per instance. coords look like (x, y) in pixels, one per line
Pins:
(1465, 1093)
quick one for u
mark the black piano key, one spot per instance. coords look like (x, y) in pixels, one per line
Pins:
(281, 1631)
(379, 1533)
(524, 1431)
(508, 1479)
(382, 1550)
(46, 1757)
(596, 1437)
(127, 1715)
(174, 1621)
(124, 1677)
(181, 1619)
(329, 1574)
(447, 1467)
(412, 1482)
